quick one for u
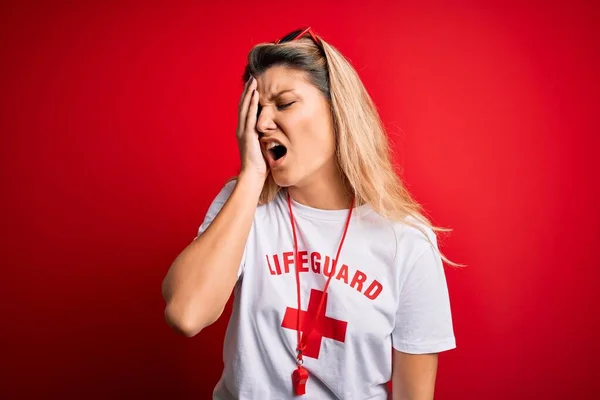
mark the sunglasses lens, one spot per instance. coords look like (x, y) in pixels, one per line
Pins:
(290, 37)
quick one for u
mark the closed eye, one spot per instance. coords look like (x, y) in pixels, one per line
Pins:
(284, 106)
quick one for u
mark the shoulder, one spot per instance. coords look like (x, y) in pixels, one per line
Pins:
(223, 191)
(404, 240)
(415, 232)
(413, 238)
(410, 233)
(227, 189)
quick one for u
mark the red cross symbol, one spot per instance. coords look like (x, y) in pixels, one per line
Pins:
(323, 326)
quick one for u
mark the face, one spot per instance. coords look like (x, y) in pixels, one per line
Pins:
(295, 116)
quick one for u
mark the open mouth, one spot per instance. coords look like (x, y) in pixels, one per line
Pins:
(276, 150)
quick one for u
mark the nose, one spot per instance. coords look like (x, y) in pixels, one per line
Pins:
(265, 121)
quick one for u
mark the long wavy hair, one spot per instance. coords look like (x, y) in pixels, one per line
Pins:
(363, 152)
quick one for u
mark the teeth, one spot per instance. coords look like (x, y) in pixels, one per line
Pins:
(270, 145)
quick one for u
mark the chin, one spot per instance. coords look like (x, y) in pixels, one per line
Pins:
(284, 178)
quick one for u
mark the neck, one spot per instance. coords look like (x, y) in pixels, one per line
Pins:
(325, 191)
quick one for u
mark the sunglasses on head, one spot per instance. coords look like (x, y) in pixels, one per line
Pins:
(299, 34)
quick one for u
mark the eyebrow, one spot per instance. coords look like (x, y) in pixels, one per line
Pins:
(272, 96)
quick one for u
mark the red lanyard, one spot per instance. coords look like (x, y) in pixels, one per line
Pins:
(300, 375)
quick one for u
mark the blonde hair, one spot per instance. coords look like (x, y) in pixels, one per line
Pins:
(363, 152)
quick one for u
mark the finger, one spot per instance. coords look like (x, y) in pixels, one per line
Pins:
(244, 91)
(246, 100)
(247, 94)
(252, 111)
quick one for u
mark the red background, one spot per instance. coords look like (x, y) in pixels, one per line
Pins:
(118, 121)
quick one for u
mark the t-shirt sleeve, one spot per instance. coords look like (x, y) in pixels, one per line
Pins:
(213, 211)
(423, 318)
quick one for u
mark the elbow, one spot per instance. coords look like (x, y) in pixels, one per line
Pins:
(187, 320)
(179, 317)
(183, 322)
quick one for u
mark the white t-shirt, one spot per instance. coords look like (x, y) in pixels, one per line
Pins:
(389, 290)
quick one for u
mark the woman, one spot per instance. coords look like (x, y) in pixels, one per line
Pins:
(339, 284)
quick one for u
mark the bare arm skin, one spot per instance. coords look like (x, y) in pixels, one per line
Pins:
(413, 376)
(201, 279)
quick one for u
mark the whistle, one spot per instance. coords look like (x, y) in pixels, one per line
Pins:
(299, 378)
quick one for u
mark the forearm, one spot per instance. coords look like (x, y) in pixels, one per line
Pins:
(201, 279)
